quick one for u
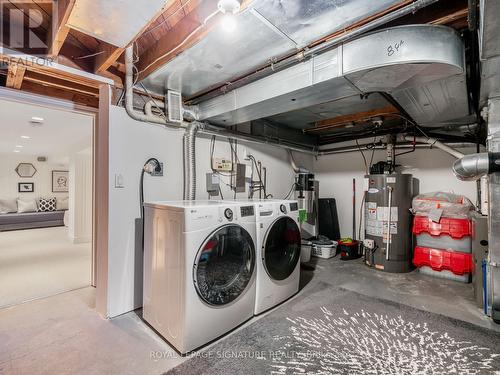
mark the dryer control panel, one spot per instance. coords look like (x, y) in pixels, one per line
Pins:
(247, 211)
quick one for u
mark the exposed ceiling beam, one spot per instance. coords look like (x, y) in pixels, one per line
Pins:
(174, 42)
(109, 54)
(60, 83)
(64, 9)
(55, 92)
(15, 76)
(355, 118)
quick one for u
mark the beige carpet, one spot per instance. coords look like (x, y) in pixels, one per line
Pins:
(38, 263)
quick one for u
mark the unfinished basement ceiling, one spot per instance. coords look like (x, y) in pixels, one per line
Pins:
(116, 22)
(267, 30)
(425, 75)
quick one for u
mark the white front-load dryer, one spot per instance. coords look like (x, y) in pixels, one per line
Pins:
(278, 252)
(199, 269)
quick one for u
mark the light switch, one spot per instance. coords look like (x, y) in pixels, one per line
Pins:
(119, 182)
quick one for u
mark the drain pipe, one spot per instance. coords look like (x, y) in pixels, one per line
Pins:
(433, 142)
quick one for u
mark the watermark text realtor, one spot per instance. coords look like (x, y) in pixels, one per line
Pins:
(26, 31)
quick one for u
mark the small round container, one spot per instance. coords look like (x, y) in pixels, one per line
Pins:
(305, 252)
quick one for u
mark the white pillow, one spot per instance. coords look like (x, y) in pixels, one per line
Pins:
(8, 206)
(62, 203)
(26, 205)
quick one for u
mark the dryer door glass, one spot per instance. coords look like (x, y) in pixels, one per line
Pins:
(224, 265)
(282, 248)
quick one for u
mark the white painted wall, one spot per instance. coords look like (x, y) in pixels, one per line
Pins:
(131, 143)
(80, 197)
(42, 178)
(432, 168)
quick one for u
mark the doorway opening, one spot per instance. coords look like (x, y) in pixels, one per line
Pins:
(46, 201)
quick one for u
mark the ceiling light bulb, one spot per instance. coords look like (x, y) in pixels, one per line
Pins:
(229, 6)
(25, 137)
(19, 146)
(17, 151)
(229, 22)
(37, 119)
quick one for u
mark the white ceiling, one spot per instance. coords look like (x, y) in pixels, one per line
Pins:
(62, 133)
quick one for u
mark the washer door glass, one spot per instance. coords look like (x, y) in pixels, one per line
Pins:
(224, 265)
(282, 248)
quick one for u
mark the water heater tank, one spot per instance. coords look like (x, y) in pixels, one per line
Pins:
(388, 222)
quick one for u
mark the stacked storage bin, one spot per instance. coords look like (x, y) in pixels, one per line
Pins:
(443, 246)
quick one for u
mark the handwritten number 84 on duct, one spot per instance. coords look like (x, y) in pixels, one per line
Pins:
(393, 48)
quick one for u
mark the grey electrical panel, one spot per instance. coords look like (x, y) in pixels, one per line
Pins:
(213, 184)
(388, 221)
(241, 170)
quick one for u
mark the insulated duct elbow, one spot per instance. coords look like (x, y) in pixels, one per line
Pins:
(473, 167)
(294, 165)
(189, 141)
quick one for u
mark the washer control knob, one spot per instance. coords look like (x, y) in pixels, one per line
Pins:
(283, 208)
(228, 213)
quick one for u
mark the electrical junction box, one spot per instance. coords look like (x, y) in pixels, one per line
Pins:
(369, 244)
(222, 165)
(213, 184)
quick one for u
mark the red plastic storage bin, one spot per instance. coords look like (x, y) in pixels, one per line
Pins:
(455, 228)
(438, 260)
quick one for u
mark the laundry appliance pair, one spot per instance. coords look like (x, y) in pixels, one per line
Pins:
(209, 266)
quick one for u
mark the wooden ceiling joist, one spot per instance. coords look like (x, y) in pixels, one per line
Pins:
(59, 83)
(174, 41)
(360, 117)
(64, 9)
(109, 54)
(15, 76)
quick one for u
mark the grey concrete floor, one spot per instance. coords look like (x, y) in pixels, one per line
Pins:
(64, 335)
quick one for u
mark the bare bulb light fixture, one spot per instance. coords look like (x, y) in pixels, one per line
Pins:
(229, 8)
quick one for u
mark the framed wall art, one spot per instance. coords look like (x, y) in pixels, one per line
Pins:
(26, 187)
(60, 183)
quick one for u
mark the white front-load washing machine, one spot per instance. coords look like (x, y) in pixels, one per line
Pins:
(199, 269)
(278, 252)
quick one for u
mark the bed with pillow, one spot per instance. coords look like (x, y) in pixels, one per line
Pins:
(22, 213)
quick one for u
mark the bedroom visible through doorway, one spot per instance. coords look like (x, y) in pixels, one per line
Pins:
(46, 201)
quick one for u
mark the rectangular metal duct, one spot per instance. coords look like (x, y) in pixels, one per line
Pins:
(418, 65)
(490, 50)
(266, 31)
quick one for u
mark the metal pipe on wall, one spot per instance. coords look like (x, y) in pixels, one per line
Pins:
(295, 167)
(129, 95)
(214, 130)
(348, 149)
(435, 143)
